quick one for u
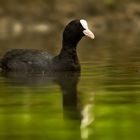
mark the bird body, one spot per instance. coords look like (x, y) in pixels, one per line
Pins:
(26, 60)
(31, 60)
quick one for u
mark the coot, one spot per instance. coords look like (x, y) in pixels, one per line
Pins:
(31, 60)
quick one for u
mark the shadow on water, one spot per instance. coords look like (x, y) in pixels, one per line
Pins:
(67, 81)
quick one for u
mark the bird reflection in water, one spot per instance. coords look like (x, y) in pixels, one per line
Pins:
(73, 109)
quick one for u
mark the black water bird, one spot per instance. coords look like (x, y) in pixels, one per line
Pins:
(31, 60)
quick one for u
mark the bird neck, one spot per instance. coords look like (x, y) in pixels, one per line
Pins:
(69, 51)
(67, 59)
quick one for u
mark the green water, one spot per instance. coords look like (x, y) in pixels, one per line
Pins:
(102, 103)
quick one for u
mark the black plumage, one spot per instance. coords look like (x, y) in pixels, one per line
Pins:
(30, 60)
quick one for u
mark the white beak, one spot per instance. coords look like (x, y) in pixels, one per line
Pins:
(86, 32)
(89, 33)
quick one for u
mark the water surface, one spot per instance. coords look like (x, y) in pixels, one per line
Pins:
(101, 103)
